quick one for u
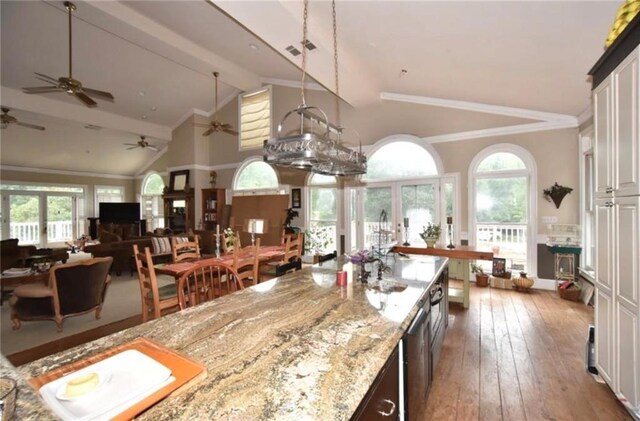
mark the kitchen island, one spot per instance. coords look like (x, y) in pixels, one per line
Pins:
(296, 347)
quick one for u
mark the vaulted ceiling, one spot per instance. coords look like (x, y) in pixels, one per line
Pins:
(156, 57)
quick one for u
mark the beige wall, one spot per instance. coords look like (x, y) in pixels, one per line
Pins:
(556, 156)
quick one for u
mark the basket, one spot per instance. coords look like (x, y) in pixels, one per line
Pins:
(571, 294)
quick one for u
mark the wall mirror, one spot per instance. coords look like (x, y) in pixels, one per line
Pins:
(178, 180)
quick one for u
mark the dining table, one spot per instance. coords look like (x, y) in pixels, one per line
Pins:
(265, 254)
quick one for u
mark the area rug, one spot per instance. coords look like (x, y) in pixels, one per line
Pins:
(122, 301)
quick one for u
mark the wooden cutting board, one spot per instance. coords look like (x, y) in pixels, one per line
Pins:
(186, 371)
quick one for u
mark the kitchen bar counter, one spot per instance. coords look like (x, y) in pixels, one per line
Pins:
(296, 347)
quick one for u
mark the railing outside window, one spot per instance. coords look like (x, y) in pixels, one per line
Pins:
(29, 232)
(510, 240)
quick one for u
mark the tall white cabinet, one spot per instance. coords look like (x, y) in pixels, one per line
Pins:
(617, 191)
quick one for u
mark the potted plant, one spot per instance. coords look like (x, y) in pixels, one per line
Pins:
(431, 234)
(482, 279)
(556, 193)
(288, 229)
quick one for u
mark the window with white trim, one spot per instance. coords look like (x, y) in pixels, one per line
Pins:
(152, 203)
(323, 210)
(255, 118)
(108, 194)
(255, 174)
(500, 204)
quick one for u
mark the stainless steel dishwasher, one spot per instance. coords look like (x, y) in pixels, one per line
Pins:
(417, 361)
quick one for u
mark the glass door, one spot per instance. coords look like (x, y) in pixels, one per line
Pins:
(417, 207)
(25, 222)
(59, 220)
(378, 215)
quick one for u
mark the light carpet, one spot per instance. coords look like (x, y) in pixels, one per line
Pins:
(122, 301)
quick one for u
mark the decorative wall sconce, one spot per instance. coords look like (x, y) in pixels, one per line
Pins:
(556, 193)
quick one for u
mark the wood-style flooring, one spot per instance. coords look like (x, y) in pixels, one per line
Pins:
(518, 356)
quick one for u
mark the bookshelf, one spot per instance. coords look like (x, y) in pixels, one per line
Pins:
(213, 201)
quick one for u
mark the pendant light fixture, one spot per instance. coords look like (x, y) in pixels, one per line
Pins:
(322, 152)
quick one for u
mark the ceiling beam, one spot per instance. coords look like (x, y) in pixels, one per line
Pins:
(502, 131)
(234, 75)
(40, 104)
(279, 24)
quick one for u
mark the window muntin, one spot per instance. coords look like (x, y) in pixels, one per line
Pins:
(153, 184)
(256, 175)
(255, 118)
(400, 159)
(501, 161)
(109, 194)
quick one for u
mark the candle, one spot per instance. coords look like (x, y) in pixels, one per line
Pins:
(449, 220)
(406, 222)
(217, 229)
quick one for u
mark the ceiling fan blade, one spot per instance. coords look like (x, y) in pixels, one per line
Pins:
(43, 76)
(133, 147)
(153, 148)
(231, 132)
(208, 132)
(100, 94)
(201, 125)
(47, 81)
(130, 144)
(41, 89)
(85, 99)
(31, 126)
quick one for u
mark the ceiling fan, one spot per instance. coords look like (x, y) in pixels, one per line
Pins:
(216, 126)
(6, 119)
(69, 84)
(142, 143)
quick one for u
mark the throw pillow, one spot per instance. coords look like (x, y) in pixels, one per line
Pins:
(161, 245)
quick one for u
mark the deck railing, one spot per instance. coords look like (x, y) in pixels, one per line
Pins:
(29, 232)
(510, 240)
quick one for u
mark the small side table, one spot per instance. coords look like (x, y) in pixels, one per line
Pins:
(565, 262)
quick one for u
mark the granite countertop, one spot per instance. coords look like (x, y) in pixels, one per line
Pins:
(296, 347)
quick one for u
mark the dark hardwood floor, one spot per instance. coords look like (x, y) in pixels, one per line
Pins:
(518, 356)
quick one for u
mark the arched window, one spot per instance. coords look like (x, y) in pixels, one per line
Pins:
(152, 204)
(401, 187)
(254, 174)
(323, 212)
(400, 159)
(502, 204)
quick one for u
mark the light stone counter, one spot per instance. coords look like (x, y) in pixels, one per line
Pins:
(293, 348)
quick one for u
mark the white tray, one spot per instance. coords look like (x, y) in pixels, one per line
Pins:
(134, 376)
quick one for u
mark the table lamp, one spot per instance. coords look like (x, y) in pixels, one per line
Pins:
(255, 226)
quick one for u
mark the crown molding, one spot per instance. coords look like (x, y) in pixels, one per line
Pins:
(189, 167)
(477, 107)
(230, 166)
(585, 115)
(65, 172)
(502, 131)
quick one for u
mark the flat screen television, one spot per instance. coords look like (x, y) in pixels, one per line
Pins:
(119, 213)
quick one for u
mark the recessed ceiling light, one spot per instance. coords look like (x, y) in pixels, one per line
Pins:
(92, 127)
(144, 117)
(154, 108)
(141, 93)
(253, 47)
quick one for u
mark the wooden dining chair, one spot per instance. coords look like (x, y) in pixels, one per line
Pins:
(230, 243)
(183, 250)
(207, 281)
(246, 262)
(154, 299)
(291, 260)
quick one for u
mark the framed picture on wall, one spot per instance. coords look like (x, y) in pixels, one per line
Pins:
(178, 180)
(296, 198)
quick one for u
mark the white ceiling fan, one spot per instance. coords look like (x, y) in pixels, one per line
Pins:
(6, 119)
(143, 144)
(69, 84)
(216, 126)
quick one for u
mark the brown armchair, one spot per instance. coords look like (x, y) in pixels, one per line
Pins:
(74, 289)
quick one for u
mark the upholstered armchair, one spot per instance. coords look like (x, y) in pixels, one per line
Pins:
(74, 289)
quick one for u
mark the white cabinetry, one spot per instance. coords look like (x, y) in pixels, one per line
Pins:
(617, 190)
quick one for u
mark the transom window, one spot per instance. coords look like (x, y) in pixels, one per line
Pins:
(256, 175)
(152, 203)
(400, 159)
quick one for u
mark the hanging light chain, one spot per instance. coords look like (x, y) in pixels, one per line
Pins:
(335, 60)
(304, 49)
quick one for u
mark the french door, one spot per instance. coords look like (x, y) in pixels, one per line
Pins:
(383, 207)
(44, 219)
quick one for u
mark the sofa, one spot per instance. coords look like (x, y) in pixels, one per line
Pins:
(13, 255)
(122, 250)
